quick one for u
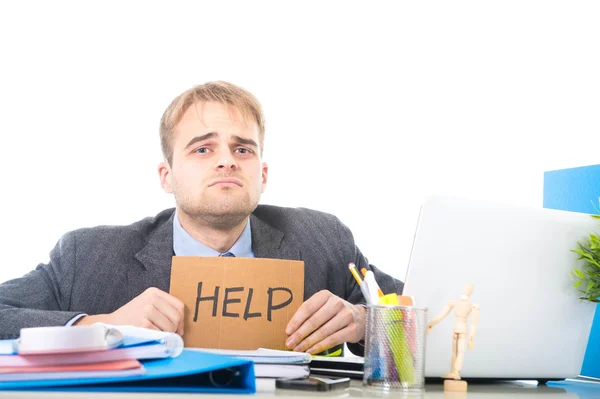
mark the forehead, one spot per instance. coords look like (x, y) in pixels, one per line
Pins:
(213, 116)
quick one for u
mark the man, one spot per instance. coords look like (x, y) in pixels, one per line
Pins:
(212, 140)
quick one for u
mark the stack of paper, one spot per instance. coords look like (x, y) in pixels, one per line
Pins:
(97, 351)
(116, 358)
(117, 368)
(269, 363)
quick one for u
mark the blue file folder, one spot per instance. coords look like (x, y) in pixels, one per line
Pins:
(192, 371)
(578, 190)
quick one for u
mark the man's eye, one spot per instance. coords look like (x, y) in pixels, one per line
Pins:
(202, 150)
(243, 151)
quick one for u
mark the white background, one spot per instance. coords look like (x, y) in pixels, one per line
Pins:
(370, 106)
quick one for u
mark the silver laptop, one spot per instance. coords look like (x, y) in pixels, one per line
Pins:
(531, 324)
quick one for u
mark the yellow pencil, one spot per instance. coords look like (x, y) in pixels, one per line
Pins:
(363, 287)
(352, 268)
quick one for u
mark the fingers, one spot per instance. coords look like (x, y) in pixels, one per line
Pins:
(180, 327)
(338, 321)
(171, 319)
(332, 340)
(146, 323)
(312, 323)
(178, 306)
(306, 310)
(160, 310)
(335, 315)
(175, 302)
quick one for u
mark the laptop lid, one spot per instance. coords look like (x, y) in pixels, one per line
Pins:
(531, 322)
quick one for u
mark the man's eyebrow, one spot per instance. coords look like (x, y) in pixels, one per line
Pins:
(242, 140)
(201, 138)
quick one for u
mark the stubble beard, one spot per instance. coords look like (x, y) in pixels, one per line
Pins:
(221, 213)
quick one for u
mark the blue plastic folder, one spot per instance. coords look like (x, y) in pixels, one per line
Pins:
(192, 371)
(578, 190)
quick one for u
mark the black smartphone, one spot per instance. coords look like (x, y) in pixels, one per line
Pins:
(313, 383)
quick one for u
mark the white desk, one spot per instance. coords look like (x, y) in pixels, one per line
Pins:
(266, 389)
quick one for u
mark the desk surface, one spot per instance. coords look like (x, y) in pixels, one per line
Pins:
(266, 389)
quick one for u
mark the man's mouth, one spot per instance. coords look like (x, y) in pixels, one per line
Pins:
(229, 181)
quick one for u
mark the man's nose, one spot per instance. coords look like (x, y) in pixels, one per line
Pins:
(226, 161)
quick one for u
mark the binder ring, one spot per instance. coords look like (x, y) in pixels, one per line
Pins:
(224, 377)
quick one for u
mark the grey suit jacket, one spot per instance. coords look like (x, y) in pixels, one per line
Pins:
(97, 270)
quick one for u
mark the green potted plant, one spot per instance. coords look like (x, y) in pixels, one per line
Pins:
(588, 276)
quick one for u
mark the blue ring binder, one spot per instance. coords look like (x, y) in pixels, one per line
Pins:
(192, 371)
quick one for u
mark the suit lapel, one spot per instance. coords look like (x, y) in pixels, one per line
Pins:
(156, 259)
(268, 242)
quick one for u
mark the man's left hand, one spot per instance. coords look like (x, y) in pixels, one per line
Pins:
(324, 321)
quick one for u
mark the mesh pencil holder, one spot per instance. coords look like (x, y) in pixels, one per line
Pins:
(395, 339)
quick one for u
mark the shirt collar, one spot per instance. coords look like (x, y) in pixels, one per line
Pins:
(185, 245)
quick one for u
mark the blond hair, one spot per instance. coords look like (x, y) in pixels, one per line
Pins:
(218, 91)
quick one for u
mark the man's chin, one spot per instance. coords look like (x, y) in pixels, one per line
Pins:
(222, 209)
(225, 203)
(230, 204)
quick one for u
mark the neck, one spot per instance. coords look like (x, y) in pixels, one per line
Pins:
(219, 239)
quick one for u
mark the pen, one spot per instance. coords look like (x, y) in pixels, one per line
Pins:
(372, 286)
(371, 282)
(363, 286)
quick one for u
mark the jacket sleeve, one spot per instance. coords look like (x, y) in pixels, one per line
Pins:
(387, 283)
(41, 297)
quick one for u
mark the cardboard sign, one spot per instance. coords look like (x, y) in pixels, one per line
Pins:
(237, 303)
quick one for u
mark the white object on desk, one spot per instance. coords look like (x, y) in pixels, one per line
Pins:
(281, 370)
(270, 363)
(172, 342)
(532, 324)
(44, 340)
(8, 347)
(44, 346)
(263, 356)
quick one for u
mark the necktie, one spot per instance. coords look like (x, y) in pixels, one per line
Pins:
(228, 254)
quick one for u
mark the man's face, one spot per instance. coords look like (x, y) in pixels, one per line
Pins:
(216, 174)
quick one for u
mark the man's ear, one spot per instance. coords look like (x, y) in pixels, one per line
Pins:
(164, 173)
(265, 176)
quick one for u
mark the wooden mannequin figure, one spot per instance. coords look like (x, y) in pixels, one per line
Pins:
(463, 307)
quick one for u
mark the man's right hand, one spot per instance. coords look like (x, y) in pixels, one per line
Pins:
(153, 309)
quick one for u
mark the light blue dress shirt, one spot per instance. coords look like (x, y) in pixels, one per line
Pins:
(185, 245)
